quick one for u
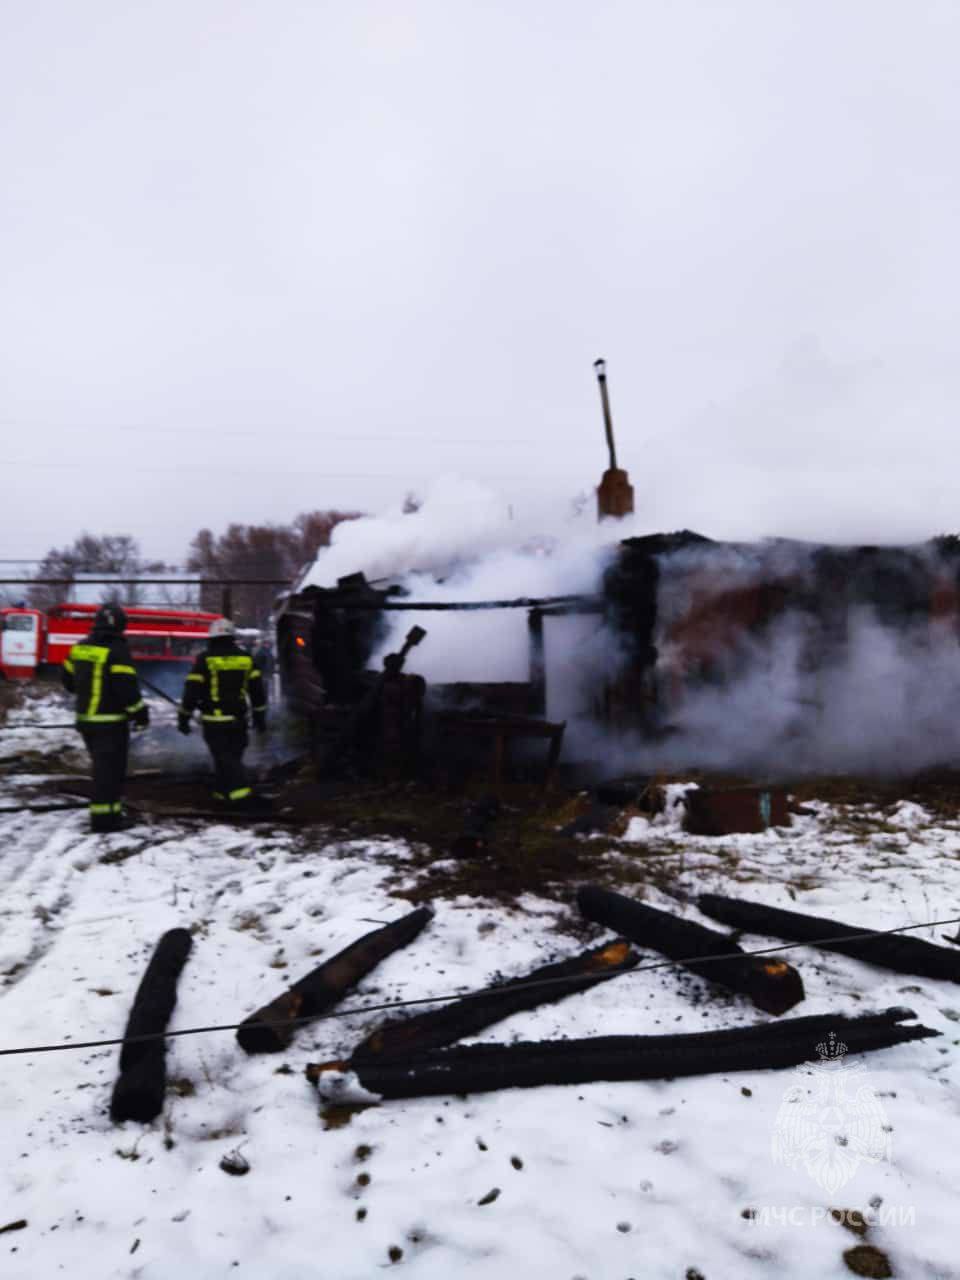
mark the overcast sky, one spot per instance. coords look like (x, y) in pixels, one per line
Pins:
(261, 256)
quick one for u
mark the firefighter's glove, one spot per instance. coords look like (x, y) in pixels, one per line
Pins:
(183, 722)
(141, 717)
(260, 721)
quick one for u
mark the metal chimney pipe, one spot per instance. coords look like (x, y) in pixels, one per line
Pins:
(601, 369)
(615, 494)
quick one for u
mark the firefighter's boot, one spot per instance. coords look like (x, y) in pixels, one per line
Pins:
(105, 818)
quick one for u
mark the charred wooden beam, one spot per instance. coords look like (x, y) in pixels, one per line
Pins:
(141, 1084)
(771, 984)
(472, 1013)
(272, 1027)
(482, 1068)
(892, 951)
(538, 663)
(225, 816)
(467, 606)
(43, 808)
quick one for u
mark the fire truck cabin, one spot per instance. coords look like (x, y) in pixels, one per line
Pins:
(32, 641)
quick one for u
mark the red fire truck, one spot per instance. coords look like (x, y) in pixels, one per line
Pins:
(31, 640)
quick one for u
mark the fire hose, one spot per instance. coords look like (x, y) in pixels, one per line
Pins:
(152, 687)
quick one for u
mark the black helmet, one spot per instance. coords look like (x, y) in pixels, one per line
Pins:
(110, 618)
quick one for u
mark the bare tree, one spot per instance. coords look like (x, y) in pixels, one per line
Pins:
(278, 552)
(109, 555)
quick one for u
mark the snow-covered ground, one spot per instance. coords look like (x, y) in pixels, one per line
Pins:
(605, 1181)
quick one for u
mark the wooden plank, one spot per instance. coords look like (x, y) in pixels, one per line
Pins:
(465, 1017)
(901, 953)
(272, 1027)
(487, 1067)
(141, 1085)
(771, 983)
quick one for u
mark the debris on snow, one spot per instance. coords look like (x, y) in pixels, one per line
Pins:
(592, 1154)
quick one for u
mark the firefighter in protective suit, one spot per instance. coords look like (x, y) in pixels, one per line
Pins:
(100, 672)
(224, 678)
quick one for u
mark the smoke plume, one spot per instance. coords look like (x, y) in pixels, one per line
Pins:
(766, 666)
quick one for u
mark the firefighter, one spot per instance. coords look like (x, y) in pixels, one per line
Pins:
(264, 659)
(100, 672)
(221, 683)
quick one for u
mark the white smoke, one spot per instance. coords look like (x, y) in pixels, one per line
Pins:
(464, 543)
(879, 698)
(459, 522)
(774, 702)
(887, 707)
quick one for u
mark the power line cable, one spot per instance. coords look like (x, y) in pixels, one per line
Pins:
(321, 436)
(273, 430)
(590, 980)
(187, 468)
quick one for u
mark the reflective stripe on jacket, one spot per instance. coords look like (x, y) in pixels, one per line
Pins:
(101, 673)
(221, 683)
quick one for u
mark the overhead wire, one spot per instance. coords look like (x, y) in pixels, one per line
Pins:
(387, 1006)
(317, 433)
(216, 467)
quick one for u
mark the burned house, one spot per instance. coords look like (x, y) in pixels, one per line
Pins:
(327, 639)
(822, 638)
(692, 610)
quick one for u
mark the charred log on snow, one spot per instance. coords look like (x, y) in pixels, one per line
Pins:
(893, 951)
(465, 1017)
(271, 1028)
(482, 1068)
(771, 984)
(141, 1084)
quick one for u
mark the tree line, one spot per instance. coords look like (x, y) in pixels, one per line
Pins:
(276, 552)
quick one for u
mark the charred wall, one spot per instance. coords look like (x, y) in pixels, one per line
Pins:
(688, 610)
